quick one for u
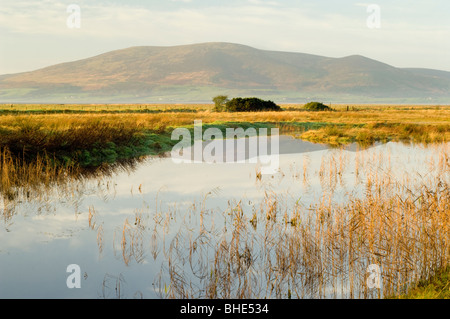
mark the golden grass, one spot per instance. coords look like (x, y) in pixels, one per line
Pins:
(132, 240)
(51, 133)
(320, 251)
(324, 255)
(16, 172)
(46, 148)
(365, 114)
(424, 123)
(274, 250)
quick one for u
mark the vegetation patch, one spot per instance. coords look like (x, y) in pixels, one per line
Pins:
(316, 106)
(435, 287)
(367, 134)
(100, 139)
(238, 104)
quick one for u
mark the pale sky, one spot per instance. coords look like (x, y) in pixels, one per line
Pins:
(412, 33)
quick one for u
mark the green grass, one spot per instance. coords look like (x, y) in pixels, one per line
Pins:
(93, 141)
(436, 287)
(89, 144)
(316, 107)
(40, 150)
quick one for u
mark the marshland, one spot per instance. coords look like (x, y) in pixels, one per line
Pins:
(92, 185)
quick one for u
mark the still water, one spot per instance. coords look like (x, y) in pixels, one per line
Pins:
(118, 229)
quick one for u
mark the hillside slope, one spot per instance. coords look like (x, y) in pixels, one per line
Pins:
(196, 71)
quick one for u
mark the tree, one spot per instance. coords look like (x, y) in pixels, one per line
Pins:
(251, 104)
(219, 102)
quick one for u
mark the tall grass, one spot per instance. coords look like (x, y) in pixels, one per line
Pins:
(320, 251)
(367, 134)
(325, 254)
(16, 173)
(98, 138)
(85, 142)
(282, 249)
(40, 151)
(271, 250)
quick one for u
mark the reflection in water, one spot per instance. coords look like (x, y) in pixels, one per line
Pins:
(162, 230)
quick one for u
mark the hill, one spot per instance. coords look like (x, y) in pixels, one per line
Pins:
(198, 72)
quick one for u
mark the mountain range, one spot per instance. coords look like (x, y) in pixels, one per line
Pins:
(197, 72)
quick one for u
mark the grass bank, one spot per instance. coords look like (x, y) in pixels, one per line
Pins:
(90, 136)
(366, 134)
(44, 148)
(90, 141)
(435, 287)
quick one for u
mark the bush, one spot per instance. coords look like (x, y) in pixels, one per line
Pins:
(251, 104)
(317, 106)
(219, 102)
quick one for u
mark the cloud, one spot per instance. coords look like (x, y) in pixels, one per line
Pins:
(260, 2)
(359, 4)
(288, 26)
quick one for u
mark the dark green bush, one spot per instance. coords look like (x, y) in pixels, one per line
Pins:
(251, 104)
(317, 106)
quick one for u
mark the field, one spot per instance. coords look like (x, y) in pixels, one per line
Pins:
(66, 130)
(319, 249)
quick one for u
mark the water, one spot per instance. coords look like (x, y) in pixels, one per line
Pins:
(118, 228)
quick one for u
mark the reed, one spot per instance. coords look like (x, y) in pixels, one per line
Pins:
(276, 248)
(324, 250)
(96, 138)
(20, 175)
(132, 238)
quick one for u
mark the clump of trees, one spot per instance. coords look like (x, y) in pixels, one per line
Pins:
(219, 103)
(317, 106)
(238, 104)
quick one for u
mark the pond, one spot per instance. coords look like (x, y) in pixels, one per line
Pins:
(197, 230)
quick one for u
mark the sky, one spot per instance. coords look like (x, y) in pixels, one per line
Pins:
(402, 33)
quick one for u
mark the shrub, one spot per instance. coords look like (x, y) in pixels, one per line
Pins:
(317, 106)
(251, 104)
(219, 102)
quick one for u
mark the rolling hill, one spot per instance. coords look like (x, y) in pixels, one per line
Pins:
(197, 72)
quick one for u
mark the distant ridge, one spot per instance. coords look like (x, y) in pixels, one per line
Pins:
(196, 72)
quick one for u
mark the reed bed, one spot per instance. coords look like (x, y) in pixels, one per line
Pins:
(60, 132)
(281, 247)
(18, 174)
(46, 145)
(325, 254)
(275, 250)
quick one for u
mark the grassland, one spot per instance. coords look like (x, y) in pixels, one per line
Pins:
(95, 134)
(43, 143)
(90, 136)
